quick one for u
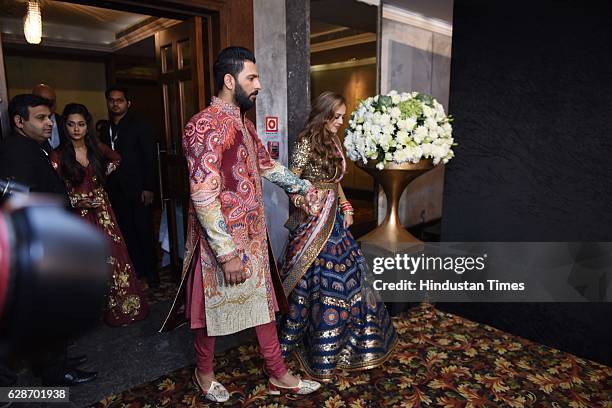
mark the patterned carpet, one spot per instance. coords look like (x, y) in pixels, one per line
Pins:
(167, 287)
(441, 360)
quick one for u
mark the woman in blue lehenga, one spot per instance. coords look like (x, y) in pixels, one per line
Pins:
(335, 320)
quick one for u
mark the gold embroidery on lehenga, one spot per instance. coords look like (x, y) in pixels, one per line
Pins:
(118, 302)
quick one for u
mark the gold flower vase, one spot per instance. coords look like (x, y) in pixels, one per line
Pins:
(394, 178)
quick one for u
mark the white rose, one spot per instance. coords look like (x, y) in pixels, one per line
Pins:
(447, 128)
(388, 129)
(440, 142)
(401, 156)
(375, 130)
(385, 141)
(380, 166)
(385, 119)
(375, 119)
(403, 137)
(433, 134)
(410, 123)
(419, 134)
(428, 112)
(395, 112)
(388, 156)
(414, 153)
(401, 124)
(431, 123)
(396, 99)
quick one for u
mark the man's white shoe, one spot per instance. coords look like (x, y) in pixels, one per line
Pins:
(216, 392)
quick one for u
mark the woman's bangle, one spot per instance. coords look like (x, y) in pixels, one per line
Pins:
(346, 207)
(348, 212)
(298, 201)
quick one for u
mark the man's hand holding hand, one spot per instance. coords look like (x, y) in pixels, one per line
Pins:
(234, 271)
(311, 201)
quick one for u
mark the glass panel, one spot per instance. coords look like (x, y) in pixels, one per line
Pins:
(170, 109)
(166, 59)
(188, 108)
(184, 54)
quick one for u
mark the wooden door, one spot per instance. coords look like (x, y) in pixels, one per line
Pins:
(4, 119)
(183, 56)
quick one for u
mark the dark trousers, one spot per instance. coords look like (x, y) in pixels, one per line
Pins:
(50, 363)
(136, 224)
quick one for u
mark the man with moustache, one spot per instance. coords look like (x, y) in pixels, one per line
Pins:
(45, 91)
(24, 155)
(130, 187)
(24, 158)
(230, 282)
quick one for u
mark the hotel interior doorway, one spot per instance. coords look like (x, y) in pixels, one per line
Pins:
(161, 52)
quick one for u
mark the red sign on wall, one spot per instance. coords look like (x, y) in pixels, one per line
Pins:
(271, 124)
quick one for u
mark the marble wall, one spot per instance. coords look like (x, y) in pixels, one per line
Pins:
(416, 57)
(282, 45)
(270, 52)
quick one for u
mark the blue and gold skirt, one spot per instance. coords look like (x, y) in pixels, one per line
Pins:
(335, 320)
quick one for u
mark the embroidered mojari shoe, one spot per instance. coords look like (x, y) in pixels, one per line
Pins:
(216, 392)
(304, 387)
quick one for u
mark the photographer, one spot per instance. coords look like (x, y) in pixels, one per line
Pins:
(23, 158)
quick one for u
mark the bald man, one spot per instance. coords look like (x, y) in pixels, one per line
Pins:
(45, 91)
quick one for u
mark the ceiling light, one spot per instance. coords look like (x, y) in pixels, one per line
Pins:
(32, 23)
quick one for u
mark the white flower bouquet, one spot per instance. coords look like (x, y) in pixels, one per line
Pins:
(399, 128)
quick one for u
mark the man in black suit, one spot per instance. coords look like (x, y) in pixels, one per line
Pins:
(24, 158)
(130, 187)
(24, 155)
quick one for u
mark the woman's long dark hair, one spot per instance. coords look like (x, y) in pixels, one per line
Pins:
(323, 109)
(72, 171)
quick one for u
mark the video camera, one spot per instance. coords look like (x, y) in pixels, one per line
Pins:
(54, 277)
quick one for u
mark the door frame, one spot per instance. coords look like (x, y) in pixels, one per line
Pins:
(4, 118)
(231, 23)
(232, 20)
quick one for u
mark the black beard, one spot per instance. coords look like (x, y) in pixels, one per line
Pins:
(242, 99)
(116, 113)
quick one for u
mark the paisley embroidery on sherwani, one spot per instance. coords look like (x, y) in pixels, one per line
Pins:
(226, 161)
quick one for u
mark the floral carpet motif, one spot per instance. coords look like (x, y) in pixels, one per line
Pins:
(166, 290)
(441, 360)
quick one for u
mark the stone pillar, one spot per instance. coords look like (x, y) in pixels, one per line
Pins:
(282, 51)
(298, 66)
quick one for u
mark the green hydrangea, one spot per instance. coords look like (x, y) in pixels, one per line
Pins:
(411, 108)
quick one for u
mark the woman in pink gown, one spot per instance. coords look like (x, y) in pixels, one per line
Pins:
(84, 162)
